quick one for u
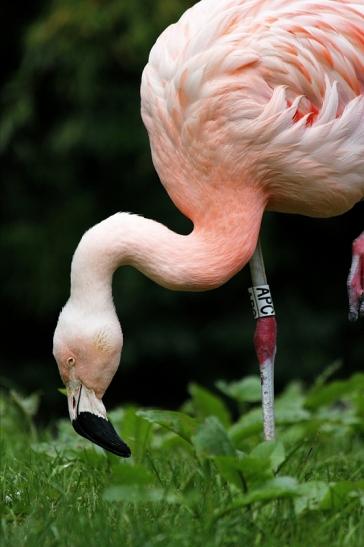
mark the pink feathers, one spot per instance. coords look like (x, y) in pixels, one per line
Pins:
(356, 280)
(265, 94)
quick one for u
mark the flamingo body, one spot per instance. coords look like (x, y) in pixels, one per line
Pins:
(257, 94)
(250, 105)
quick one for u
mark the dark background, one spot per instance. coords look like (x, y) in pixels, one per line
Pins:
(74, 151)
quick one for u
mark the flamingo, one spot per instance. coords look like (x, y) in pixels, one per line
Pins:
(250, 105)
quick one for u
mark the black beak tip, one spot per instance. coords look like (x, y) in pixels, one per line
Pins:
(101, 432)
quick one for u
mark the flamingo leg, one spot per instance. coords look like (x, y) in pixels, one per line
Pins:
(356, 280)
(265, 338)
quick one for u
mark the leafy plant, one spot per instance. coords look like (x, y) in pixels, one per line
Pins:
(212, 478)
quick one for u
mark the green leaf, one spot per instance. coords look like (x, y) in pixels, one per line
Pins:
(170, 442)
(297, 432)
(29, 405)
(212, 439)
(327, 373)
(272, 451)
(280, 487)
(127, 474)
(244, 471)
(207, 404)
(310, 497)
(289, 406)
(135, 431)
(137, 494)
(255, 470)
(228, 468)
(178, 422)
(335, 391)
(248, 425)
(247, 390)
(317, 495)
(53, 450)
(72, 449)
(341, 493)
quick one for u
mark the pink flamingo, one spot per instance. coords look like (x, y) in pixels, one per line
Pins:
(250, 105)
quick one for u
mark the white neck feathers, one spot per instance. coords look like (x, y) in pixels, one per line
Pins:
(202, 260)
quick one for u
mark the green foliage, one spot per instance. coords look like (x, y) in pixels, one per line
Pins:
(177, 422)
(135, 430)
(218, 486)
(320, 396)
(212, 439)
(246, 390)
(205, 403)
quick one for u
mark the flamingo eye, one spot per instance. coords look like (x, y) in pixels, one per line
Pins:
(71, 361)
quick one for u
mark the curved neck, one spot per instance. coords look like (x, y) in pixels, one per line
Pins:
(206, 258)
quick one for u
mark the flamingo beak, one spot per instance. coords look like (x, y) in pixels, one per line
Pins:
(89, 419)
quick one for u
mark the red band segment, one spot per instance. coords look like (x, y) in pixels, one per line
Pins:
(265, 338)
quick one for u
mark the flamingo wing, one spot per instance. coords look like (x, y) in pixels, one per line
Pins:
(264, 92)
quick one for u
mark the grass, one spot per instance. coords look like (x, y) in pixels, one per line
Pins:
(196, 478)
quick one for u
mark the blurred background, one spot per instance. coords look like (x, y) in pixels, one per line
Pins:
(74, 151)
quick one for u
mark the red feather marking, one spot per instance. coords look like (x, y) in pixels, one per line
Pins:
(299, 115)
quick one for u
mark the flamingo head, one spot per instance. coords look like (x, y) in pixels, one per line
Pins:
(87, 350)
